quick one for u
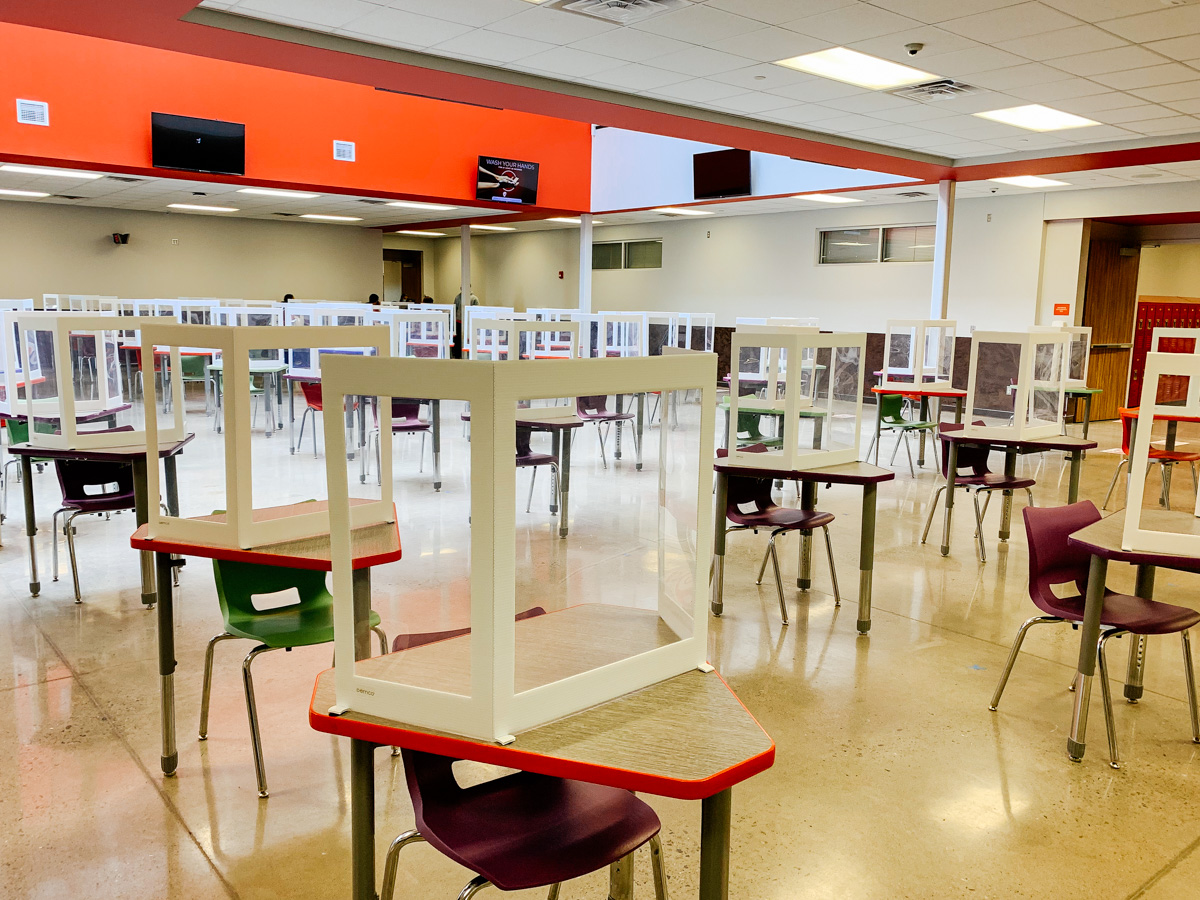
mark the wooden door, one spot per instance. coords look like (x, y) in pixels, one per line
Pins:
(1110, 303)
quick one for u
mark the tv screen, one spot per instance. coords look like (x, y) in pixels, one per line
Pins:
(721, 173)
(507, 181)
(197, 145)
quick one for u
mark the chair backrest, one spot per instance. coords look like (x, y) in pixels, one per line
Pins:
(312, 393)
(891, 408)
(523, 435)
(1052, 559)
(192, 366)
(749, 424)
(973, 458)
(406, 408)
(745, 490)
(1127, 420)
(75, 476)
(238, 582)
(596, 405)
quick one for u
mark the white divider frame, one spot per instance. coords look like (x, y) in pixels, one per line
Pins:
(514, 332)
(417, 326)
(64, 407)
(493, 710)
(12, 357)
(1028, 341)
(793, 341)
(931, 366)
(1079, 348)
(1136, 536)
(470, 313)
(630, 334)
(234, 343)
(690, 323)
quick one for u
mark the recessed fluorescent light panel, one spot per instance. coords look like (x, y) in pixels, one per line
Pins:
(422, 233)
(24, 193)
(680, 211)
(198, 208)
(567, 220)
(331, 218)
(492, 228)
(412, 204)
(1029, 181)
(856, 68)
(272, 192)
(1036, 117)
(828, 198)
(58, 173)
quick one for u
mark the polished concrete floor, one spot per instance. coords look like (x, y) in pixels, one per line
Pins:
(892, 778)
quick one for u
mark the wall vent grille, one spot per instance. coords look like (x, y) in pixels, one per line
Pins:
(33, 112)
(933, 91)
(621, 12)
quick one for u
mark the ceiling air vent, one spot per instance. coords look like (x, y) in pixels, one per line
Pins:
(343, 151)
(286, 215)
(33, 112)
(371, 202)
(913, 195)
(933, 91)
(124, 179)
(622, 12)
(65, 197)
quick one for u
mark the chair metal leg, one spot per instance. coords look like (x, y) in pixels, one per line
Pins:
(778, 579)
(762, 569)
(870, 447)
(979, 527)
(54, 545)
(1189, 673)
(260, 769)
(314, 435)
(303, 420)
(532, 482)
(987, 498)
(421, 458)
(392, 863)
(206, 692)
(659, 866)
(937, 492)
(383, 641)
(476, 884)
(895, 450)
(837, 595)
(601, 433)
(908, 452)
(554, 891)
(69, 528)
(1112, 484)
(379, 458)
(1030, 493)
(1114, 757)
(1012, 654)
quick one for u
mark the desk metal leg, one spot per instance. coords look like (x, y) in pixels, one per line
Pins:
(866, 557)
(715, 817)
(565, 488)
(1089, 633)
(166, 661)
(278, 379)
(141, 503)
(720, 501)
(292, 418)
(620, 879)
(808, 501)
(35, 585)
(435, 413)
(878, 424)
(620, 399)
(921, 432)
(1010, 471)
(1076, 468)
(1087, 414)
(725, 433)
(1136, 671)
(958, 410)
(362, 819)
(362, 613)
(641, 428)
(269, 403)
(951, 467)
(556, 438)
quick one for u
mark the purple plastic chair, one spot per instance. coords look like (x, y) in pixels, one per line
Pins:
(406, 419)
(527, 459)
(88, 487)
(520, 831)
(978, 480)
(1054, 561)
(595, 410)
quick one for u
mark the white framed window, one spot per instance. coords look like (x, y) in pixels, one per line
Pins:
(875, 244)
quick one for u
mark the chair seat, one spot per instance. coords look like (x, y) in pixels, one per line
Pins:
(605, 417)
(910, 426)
(785, 517)
(1173, 456)
(1134, 614)
(526, 831)
(409, 425)
(996, 482)
(536, 459)
(289, 626)
(101, 504)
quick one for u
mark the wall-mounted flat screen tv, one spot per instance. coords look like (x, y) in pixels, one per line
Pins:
(721, 173)
(507, 181)
(197, 145)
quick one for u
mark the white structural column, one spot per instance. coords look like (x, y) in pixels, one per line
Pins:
(585, 263)
(465, 264)
(940, 301)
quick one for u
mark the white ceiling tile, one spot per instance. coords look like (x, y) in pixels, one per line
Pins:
(1139, 113)
(1053, 44)
(629, 45)
(1104, 61)
(393, 26)
(916, 112)
(965, 63)
(1166, 125)
(327, 13)
(554, 25)
(930, 141)
(1086, 106)
(848, 123)
(804, 114)
(873, 103)
(937, 43)
(1177, 48)
(941, 10)
(637, 77)
(818, 90)
(762, 77)
(1010, 23)
(698, 24)
(1058, 90)
(699, 61)
(769, 44)
(1153, 76)
(1030, 142)
(569, 62)
(1016, 76)
(1158, 25)
(1191, 107)
(966, 104)
(776, 12)
(893, 133)
(489, 45)
(853, 23)
(961, 149)
(698, 90)
(476, 13)
(974, 128)
(752, 102)
(1097, 10)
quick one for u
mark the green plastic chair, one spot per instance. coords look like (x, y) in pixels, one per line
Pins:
(891, 418)
(300, 624)
(18, 433)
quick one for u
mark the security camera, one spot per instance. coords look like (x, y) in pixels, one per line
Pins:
(914, 49)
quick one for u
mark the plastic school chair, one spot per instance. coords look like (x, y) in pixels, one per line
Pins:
(89, 487)
(1167, 459)
(891, 413)
(595, 410)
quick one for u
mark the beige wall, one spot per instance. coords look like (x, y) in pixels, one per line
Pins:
(1169, 270)
(58, 249)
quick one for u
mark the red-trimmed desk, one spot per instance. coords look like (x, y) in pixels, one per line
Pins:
(924, 392)
(866, 476)
(136, 455)
(687, 738)
(1011, 447)
(372, 545)
(558, 420)
(1103, 540)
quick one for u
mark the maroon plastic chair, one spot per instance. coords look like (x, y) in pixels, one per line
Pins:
(520, 831)
(595, 410)
(406, 419)
(527, 459)
(1054, 561)
(751, 506)
(88, 487)
(977, 479)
